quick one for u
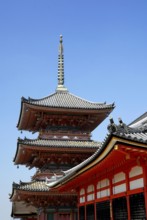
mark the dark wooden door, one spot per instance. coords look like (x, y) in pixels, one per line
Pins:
(103, 210)
(90, 212)
(137, 207)
(81, 213)
(119, 207)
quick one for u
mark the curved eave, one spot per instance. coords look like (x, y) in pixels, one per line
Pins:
(97, 158)
(27, 104)
(38, 187)
(32, 146)
(20, 114)
(12, 194)
(22, 111)
(17, 154)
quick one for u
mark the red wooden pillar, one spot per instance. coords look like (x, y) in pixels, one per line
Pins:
(145, 186)
(127, 197)
(111, 194)
(95, 197)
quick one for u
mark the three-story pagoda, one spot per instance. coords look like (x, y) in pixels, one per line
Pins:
(64, 123)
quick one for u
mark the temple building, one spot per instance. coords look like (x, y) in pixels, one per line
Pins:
(64, 123)
(112, 183)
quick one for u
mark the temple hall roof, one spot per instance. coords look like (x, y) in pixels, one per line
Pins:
(140, 122)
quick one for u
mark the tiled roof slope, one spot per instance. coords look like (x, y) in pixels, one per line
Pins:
(139, 119)
(59, 143)
(65, 99)
(38, 186)
(140, 123)
(127, 132)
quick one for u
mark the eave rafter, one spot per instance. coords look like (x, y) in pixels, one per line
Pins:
(131, 153)
(57, 159)
(32, 156)
(35, 118)
(46, 199)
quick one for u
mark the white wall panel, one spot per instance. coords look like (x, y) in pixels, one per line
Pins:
(90, 197)
(103, 183)
(90, 188)
(119, 177)
(120, 188)
(103, 193)
(82, 191)
(82, 199)
(135, 171)
(135, 184)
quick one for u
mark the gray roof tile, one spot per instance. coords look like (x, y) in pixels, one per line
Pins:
(139, 137)
(139, 119)
(67, 100)
(59, 143)
(32, 186)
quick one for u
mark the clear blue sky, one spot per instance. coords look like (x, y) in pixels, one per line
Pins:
(105, 47)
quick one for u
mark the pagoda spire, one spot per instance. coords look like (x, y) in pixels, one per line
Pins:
(61, 86)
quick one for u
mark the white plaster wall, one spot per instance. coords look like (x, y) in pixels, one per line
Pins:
(82, 199)
(90, 197)
(90, 188)
(82, 191)
(135, 171)
(118, 177)
(103, 183)
(135, 184)
(103, 193)
(120, 188)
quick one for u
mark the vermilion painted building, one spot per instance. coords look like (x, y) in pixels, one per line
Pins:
(64, 123)
(112, 183)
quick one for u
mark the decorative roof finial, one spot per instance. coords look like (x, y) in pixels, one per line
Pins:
(61, 86)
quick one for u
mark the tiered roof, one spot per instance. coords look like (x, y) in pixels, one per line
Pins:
(57, 104)
(29, 151)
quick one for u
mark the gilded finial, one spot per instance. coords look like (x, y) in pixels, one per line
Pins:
(61, 86)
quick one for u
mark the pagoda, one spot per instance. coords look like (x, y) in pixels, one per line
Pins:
(64, 123)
